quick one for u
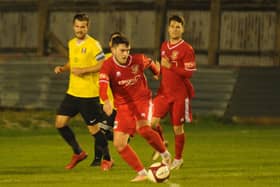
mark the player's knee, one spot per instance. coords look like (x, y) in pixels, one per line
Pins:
(119, 145)
(144, 131)
(93, 129)
(154, 122)
(59, 124)
(61, 121)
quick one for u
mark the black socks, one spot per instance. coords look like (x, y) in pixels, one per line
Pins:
(69, 137)
(101, 146)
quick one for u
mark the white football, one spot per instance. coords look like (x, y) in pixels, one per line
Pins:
(158, 172)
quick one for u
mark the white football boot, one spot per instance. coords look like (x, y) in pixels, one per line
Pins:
(177, 164)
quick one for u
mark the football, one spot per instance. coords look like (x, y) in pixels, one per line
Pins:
(158, 172)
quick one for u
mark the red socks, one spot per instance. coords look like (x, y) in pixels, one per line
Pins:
(131, 158)
(179, 145)
(159, 130)
(152, 137)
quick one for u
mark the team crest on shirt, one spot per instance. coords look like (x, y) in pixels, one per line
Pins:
(83, 50)
(135, 68)
(174, 55)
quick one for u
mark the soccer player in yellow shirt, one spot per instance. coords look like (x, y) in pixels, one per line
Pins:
(85, 60)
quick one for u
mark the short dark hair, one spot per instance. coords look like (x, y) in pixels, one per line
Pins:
(81, 17)
(114, 34)
(120, 40)
(176, 18)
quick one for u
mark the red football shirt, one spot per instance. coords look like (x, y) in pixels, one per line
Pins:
(128, 82)
(175, 80)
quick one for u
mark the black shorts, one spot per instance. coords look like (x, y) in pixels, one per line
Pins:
(89, 108)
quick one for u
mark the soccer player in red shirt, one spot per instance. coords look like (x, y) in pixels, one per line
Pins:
(124, 73)
(175, 91)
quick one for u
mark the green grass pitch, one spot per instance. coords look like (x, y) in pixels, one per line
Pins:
(217, 154)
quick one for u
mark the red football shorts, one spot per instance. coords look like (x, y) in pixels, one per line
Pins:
(178, 107)
(129, 114)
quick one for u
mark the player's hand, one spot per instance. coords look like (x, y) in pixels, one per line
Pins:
(78, 71)
(156, 77)
(157, 66)
(165, 62)
(107, 107)
(58, 69)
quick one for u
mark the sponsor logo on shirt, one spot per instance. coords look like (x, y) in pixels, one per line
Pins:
(129, 82)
